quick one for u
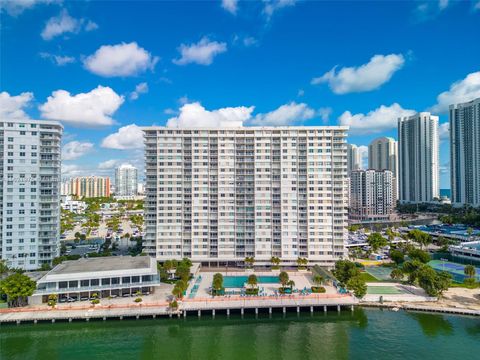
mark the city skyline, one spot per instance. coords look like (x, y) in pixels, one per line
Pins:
(146, 75)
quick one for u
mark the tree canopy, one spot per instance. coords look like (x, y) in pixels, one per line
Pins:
(376, 241)
(17, 287)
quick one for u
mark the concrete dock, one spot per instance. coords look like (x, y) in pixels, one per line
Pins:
(195, 307)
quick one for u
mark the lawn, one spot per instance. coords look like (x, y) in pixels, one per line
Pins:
(368, 277)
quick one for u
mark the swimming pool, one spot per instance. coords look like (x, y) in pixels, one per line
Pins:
(238, 281)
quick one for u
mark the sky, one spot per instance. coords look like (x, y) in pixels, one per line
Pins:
(104, 68)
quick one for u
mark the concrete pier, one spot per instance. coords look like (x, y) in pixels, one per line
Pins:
(324, 308)
(311, 309)
(228, 312)
(338, 308)
(213, 312)
(199, 313)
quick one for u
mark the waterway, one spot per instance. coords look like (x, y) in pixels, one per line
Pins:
(364, 334)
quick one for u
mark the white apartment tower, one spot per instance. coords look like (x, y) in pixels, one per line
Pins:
(418, 158)
(383, 155)
(126, 180)
(220, 195)
(354, 161)
(30, 198)
(465, 152)
(372, 195)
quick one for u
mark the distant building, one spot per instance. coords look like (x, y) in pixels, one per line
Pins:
(465, 152)
(30, 174)
(418, 158)
(383, 155)
(126, 180)
(90, 186)
(354, 161)
(372, 195)
(140, 189)
(66, 187)
(75, 206)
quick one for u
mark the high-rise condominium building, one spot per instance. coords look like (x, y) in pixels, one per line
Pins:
(126, 180)
(372, 195)
(354, 161)
(30, 197)
(89, 186)
(383, 155)
(465, 152)
(220, 195)
(418, 158)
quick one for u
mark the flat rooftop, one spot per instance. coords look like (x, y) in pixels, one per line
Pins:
(99, 264)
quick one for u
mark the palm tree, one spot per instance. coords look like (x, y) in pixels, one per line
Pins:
(283, 277)
(252, 281)
(291, 284)
(470, 271)
(177, 291)
(275, 261)
(317, 280)
(249, 261)
(301, 262)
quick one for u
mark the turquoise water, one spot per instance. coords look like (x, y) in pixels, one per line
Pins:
(365, 334)
(238, 281)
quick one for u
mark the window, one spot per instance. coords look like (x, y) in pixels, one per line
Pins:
(126, 280)
(94, 282)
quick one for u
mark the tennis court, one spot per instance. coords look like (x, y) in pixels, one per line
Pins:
(379, 272)
(384, 290)
(455, 269)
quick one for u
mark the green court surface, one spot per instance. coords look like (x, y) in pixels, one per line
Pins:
(379, 272)
(384, 290)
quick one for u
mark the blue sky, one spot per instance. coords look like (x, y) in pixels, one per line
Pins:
(103, 67)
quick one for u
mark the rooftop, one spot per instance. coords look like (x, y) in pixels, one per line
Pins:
(111, 263)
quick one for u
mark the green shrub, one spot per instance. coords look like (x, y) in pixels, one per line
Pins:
(138, 299)
(318, 290)
(253, 291)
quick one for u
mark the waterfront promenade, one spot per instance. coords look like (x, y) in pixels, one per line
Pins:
(197, 307)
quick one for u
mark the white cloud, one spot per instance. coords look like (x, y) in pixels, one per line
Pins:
(94, 108)
(64, 23)
(16, 7)
(230, 5)
(11, 107)
(69, 170)
(120, 60)
(249, 41)
(141, 88)
(477, 5)
(195, 115)
(90, 26)
(57, 25)
(426, 10)
(58, 59)
(271, 6)
(109, 164)
(366, 77)
(201, 53)
(460, 91)
(325, 113)
(285, 115)
(378, 120)
(127, 137)
(75, 149)
(444, 131)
